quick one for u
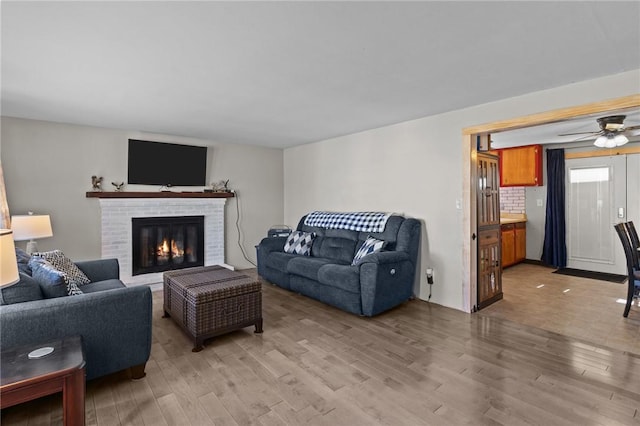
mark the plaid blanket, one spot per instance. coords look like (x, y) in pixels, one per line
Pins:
(354, 221)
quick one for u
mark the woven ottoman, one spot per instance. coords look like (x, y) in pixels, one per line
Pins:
(212, 300)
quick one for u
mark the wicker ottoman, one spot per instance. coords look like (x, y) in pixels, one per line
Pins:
(212, 300)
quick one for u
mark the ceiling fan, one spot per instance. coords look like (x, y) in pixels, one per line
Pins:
(611, 133)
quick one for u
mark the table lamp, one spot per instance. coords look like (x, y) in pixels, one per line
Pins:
(29, 227)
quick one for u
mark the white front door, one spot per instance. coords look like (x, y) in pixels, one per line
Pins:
(596, 199)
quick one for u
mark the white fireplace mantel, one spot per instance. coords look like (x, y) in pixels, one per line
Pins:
(116, 228)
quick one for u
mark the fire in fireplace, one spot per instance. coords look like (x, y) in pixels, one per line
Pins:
(166, 243)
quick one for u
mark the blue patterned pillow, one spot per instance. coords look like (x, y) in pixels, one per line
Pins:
(300, 242)
(371, 245)
(53, 283)
(63, 264)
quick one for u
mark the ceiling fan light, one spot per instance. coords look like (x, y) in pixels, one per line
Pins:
(601, 141)
(620, 139)
(610, 143)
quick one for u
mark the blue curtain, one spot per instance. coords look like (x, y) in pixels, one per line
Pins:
(554, 252)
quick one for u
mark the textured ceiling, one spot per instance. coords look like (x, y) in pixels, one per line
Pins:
(286, 73)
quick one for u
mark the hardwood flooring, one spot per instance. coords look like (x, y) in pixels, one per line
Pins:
(582, 308)
(419, 364)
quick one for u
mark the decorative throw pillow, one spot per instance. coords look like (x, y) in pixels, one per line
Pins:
(370, 245)
(300, 242)
(26, 290)
(53, 283)
(63, 264)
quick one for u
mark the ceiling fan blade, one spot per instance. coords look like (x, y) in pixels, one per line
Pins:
(591, 136)
(632, 128)
(579, 133)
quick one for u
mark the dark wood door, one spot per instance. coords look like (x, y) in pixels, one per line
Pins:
(489, 240)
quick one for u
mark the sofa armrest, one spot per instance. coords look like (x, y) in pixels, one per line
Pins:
(386, 280)
(100, 269)
(115, 326)
(271, 244)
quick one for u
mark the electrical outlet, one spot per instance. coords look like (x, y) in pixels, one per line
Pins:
(539, 202)
(430, 275)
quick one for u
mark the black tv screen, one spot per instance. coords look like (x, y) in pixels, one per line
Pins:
(158, 163)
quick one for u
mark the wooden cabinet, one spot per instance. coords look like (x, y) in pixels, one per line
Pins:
(521, 241)
(514, 243)
(521, 166)
(489, 270)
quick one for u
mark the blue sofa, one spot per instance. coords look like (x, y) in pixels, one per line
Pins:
(113, 320)
(378, 282)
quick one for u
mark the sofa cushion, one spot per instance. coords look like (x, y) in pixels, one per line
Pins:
(370, 245)
(53, 283)
(337, 244)
(23, 259)
(26, 290)
(63, 264)
(102, 285)
(278, 260)
(300, 242)
(345, 277)
(307, 266)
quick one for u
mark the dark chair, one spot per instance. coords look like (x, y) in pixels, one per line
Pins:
(633, 268)
(633, 235)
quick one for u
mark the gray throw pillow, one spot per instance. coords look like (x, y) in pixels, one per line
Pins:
(26, 290)
(53, 283)
(23, 259)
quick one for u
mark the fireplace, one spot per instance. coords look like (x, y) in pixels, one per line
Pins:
(165, 243)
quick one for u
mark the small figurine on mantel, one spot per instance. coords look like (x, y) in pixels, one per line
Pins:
(220, 186)
(118, 186)
(96, 182)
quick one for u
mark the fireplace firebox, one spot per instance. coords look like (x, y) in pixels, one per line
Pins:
(166, 243)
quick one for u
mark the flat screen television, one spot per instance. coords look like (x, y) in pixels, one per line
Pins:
(170, 164)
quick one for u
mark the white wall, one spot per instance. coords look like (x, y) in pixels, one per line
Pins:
(48, 168)
(415, 168)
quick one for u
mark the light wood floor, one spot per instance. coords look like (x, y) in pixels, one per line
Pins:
(577, 307)
(419, 364)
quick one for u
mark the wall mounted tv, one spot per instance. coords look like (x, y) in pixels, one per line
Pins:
(170, 164)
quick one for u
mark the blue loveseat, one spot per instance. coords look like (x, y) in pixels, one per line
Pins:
(113, 320)
(376, 283)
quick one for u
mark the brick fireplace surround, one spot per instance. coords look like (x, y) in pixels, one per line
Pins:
(116, 228)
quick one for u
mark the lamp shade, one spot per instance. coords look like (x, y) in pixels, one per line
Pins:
(8, 263)
(29, 227)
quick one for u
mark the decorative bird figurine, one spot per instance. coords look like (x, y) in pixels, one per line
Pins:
(96, 182)
(118, 185)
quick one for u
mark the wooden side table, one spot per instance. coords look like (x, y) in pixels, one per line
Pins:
(23, 379)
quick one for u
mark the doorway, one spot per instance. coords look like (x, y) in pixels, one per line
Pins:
(471, 136)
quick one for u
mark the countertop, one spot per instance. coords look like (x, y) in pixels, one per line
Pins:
(508, 218)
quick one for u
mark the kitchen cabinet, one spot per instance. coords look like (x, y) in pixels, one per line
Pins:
(521, 166)
(514, 243)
